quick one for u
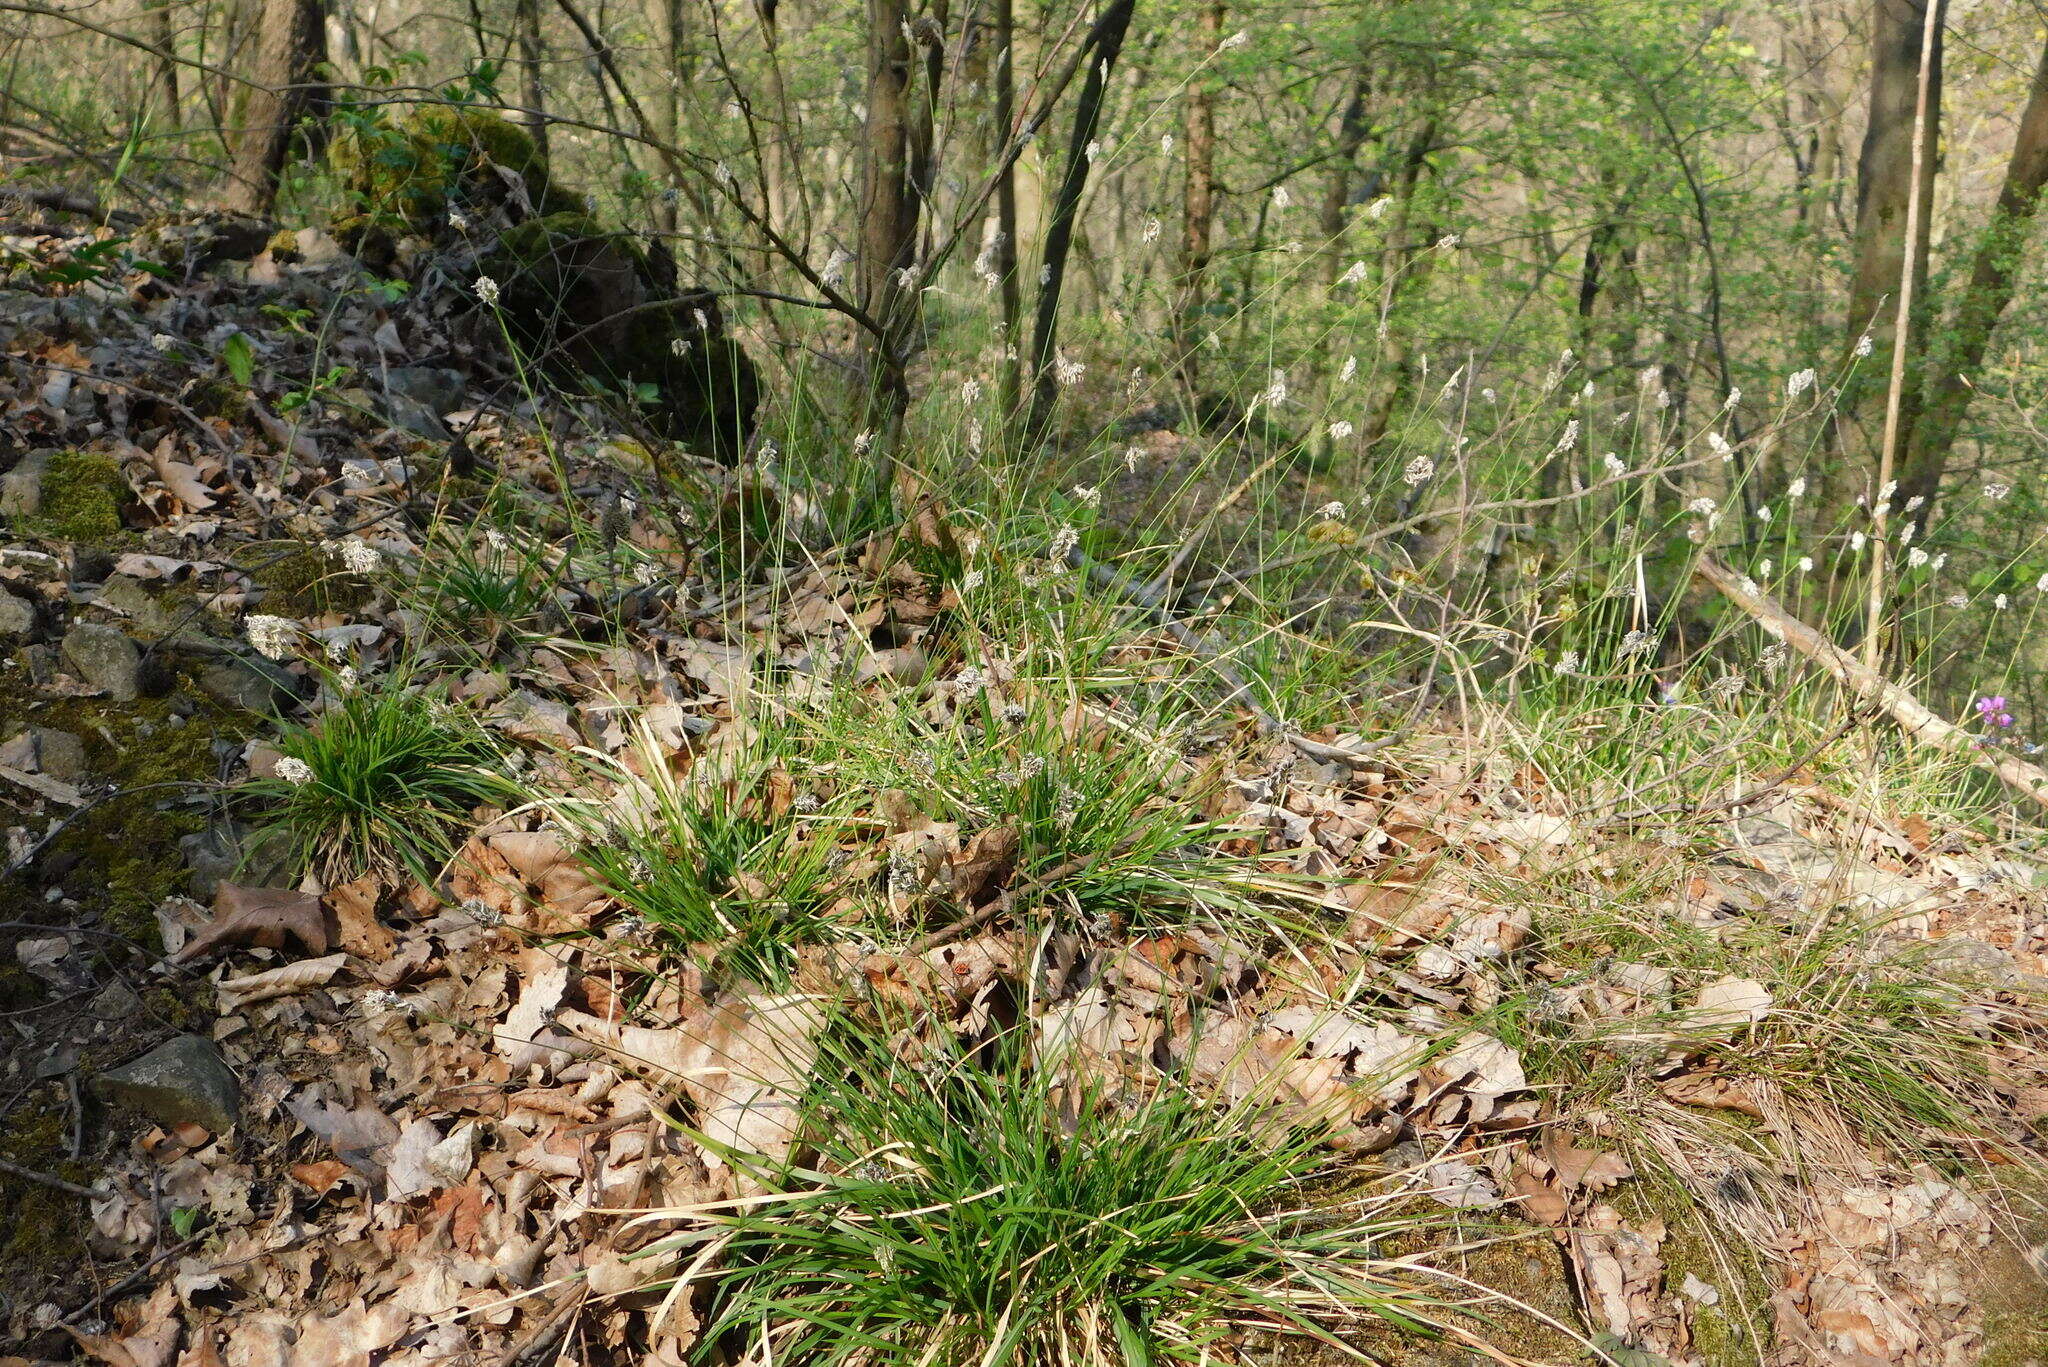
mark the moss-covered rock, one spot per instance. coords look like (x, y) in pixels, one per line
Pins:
(585, 300)
(408, 174)
(77, 496)
(579, 299)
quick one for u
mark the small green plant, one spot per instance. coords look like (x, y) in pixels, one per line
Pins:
(973, 1208)
(384, 782)
(713, 863)
(489, 589)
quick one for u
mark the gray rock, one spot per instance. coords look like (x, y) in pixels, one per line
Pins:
(184, 1080)
(415, 397)
(127, 596)
(236, 682)
(106, 659)
(21, 489)
(46, 750)
(227, 852)
(17, 617)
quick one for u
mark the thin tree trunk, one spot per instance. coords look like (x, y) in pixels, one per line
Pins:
(1004, 261)
(888, 217)
(1198, 210)
(532, 88)
(1409, 241)
(291, 42)
(1104, 42)
(1351, 130)
(165, 36)
(1885, 188)
(1993, 275)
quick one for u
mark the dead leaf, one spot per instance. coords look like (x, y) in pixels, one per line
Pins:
(1728, 1004)
(302, 976)
(263, 917)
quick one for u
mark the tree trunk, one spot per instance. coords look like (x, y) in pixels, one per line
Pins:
(1198, 210)
(165, 36)
(1406, 265)
(1994, 272)
(291, 42)
(1004, 259)
(1104, 42)
(532, 88)
(888, 215)
(1884, 188)
(1351, 130)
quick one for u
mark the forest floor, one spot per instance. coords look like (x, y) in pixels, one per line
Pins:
(1753, 1073)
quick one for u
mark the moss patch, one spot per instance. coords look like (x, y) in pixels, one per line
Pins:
(408, 174)
(82, 496)
(43, 1227)
(121, 859)
(305, 582)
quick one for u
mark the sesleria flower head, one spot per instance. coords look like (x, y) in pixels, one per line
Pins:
(1799, 382)
(1636, 643)
(1332, 511)
(1916, 557)
(1567, 663)
(1857, 541)
(1718, 444)
(1067, 371)
(1702, 506)
(1797, 488)
(1805, 564)
(1276, 389)
(163, 342)
(1152, 228)
(1281, 199)
(1865, 345)
(1237, 39)
(1354, 275)
(1349, 371)
(1995, 492)
(294, 771)
(1340, 429)
(1419, 470)
(1616, 466)
(487, 290)
(273, 637)
(1378, 208)
(1088, 495)
(1063, 543)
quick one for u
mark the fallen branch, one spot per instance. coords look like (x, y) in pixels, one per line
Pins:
(1909, 712)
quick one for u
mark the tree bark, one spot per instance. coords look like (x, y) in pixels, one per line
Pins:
(165, 36)
(1993, 275)
(1004, 258)
(1101, 47)
(1351, 130)
(888, 214)
(291, 42)
(532, 89)
(1198, 210)
(1884, 188)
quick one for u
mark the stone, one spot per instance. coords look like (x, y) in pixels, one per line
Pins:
(105, 658)
(21, 489)
(228, 852)
(17, 617)
(244, 684)
(46, 750)
(437, 389)
(126, 595)
(182, 1081)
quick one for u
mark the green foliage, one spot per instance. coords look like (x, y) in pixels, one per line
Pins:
(716, 865)
(385, 781)
(972, 1208)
